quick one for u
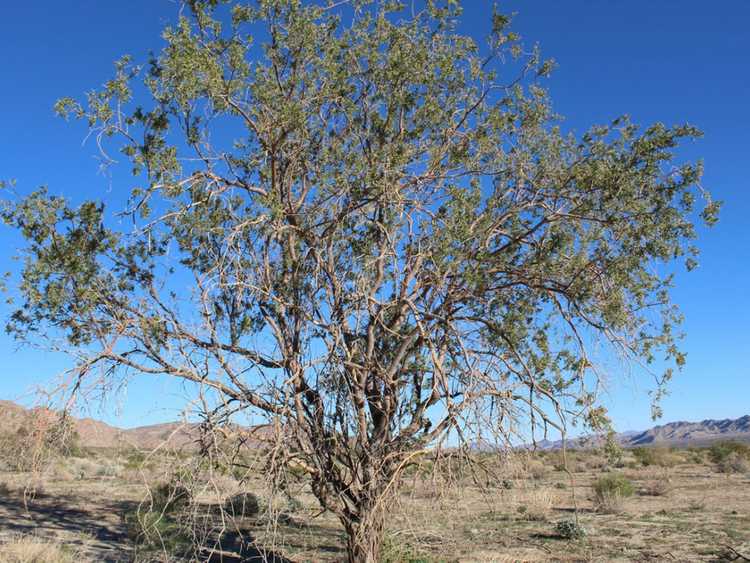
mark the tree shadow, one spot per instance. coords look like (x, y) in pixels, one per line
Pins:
(100, 531)
(53, 516)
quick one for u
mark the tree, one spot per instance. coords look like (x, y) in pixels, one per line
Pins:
(368, 227)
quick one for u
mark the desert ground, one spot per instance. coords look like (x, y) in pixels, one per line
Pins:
(649, 505)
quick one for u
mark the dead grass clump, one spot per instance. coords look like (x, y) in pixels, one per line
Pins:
(32, 549)
(537, 470)
(657, 487)
(535, 504)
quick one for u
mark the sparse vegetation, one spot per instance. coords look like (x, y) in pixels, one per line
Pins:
(655, 456)
(721, 451)
(243, 505)
(570, 530)
(733, 462)
(610, 490)
(34, 549)
(388, 230)
(431, 522)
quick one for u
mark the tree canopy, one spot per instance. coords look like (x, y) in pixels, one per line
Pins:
(371, 228)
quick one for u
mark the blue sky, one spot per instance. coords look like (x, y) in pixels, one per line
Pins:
(665, 60)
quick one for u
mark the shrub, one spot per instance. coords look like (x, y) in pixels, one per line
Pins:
(151, 529)
(570, 530)
(609, 491)
(135, 459)
(655, 456)
(537, 505)
(156, 523)
(721, 451)
(733, 463)
(169, 497)
(395, 551)
(537, 470)
(658, 487)
(243, 505)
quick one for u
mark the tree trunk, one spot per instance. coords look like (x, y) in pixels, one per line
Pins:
(365, 537)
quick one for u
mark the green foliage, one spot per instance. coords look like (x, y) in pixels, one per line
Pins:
(649, 456)
(570, 530)
(610, 489)
(378, 227)
(395, 550)
(135, 459)
(721, 451)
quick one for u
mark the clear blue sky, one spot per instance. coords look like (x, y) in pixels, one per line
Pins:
(664, 60)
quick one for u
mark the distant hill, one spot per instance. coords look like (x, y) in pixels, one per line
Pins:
(97, 434)
(94, 433)
(693, 433)
(673, 434)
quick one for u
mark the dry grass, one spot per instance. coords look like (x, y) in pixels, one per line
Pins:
(33, 549)
(509, 515)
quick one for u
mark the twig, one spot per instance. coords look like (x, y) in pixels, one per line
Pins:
(737, 554)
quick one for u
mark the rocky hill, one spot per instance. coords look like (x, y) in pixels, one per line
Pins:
(97, 434)
(673, 434)
(693, 433)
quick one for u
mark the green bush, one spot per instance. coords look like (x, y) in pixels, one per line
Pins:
(721, 451)
(660, 457)
(609, 491)
(614, 483)
(570, 530)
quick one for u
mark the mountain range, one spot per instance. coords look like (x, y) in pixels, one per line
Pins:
(97, 434)
(673, 434)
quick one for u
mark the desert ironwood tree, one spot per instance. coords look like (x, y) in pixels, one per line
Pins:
(352, 218)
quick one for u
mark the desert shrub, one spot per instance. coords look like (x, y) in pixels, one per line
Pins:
(33, 549)
(570, 530)
(157, 524)
(644, 456)
(609, 490)
(557, 460)
(696, 456)
(242, 505)
(134, 459)
(395, 550)
(721, 451)
(537, 470)
(156, 530)
(170, 497)
(659, 457)
(536, 505)
(658, 486)
(595, 463)
(733, 463)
